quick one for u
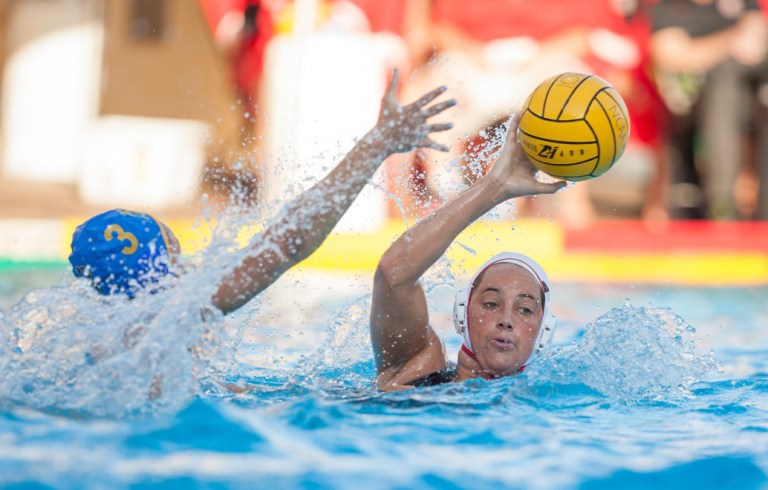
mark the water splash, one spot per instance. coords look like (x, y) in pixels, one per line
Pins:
(347, 344)
(66, 349)
(632, 354)
(69, 350)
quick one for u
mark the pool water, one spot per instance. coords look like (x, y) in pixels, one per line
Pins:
(645, 387)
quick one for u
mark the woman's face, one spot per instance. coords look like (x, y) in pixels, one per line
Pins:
(504, 317)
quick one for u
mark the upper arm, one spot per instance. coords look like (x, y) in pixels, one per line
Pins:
(399, 320)
(666, 46)
(427, 361)
(674, 49)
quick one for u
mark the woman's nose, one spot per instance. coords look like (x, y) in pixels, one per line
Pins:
(505, 318)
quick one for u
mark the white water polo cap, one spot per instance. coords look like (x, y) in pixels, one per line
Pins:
(460, 305)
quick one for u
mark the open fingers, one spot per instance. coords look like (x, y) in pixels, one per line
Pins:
(432, 128)
(394, 83)
(429, 96)
(438, 108)
(429, 143)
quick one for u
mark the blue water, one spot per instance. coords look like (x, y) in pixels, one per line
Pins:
(646, 387)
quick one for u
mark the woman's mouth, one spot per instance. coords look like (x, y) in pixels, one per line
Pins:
(503, 343)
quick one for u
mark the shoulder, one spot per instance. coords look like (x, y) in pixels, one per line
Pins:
(429, 360)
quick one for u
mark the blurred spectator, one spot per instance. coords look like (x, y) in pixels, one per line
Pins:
(241, 30)
(492, 53)
(247, 34)
(648, 115)
(711, 68)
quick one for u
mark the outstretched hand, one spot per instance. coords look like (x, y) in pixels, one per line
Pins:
(404, 128)
(514, 172)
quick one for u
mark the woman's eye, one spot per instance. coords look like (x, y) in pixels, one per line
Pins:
(489, 304)
(526, 310)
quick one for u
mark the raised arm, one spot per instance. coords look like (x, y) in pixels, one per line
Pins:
(303, 224)
(401, 335)
(674, 49)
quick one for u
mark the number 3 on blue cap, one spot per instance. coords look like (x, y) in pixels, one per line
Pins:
(122, 235)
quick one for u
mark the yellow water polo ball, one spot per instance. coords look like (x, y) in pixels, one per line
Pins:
(574, 126)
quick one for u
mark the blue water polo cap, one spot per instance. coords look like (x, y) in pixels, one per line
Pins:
(121, 251)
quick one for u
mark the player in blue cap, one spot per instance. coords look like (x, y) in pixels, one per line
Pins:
(124, 252)
(504, 312)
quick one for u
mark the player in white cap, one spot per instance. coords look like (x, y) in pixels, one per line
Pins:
(504, 312)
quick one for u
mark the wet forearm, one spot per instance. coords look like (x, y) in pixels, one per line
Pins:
(308, 220)
(673, 49)
(303, 224)
(422, 245)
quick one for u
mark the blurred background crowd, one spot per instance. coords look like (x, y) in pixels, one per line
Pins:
(130, 102)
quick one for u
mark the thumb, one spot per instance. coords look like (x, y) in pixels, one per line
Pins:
(514, 123)
(550, 188)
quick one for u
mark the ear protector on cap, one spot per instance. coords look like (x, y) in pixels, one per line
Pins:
(548, 324)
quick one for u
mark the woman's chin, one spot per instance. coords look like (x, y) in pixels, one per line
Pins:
(499, 370)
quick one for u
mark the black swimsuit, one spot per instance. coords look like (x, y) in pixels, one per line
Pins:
(447, 375)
